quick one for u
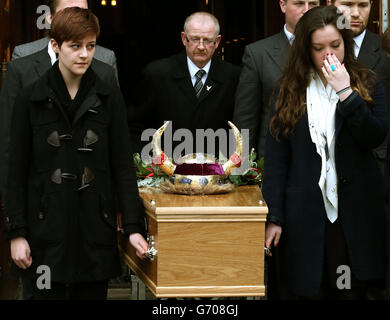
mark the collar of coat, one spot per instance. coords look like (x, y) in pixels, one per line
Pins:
(42, 91)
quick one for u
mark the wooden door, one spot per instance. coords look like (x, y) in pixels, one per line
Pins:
(5, 50)
(374, 21)
(384, 15)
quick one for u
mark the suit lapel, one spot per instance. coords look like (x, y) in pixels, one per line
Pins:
(209, 87)
(278, 52)
(182, 77)
(369, 56)
(370, 52)
(42, 62)
(214, 78)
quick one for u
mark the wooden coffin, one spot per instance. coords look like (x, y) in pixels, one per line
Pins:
(208, 246)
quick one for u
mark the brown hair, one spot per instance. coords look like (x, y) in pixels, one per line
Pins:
(73, 23)
(291, 101)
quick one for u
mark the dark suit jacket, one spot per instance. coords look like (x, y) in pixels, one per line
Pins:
(372, 57)
(21, 73)
(291, 173)
(262, 68)
(166, 93)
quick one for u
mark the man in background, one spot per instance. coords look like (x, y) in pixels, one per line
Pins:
(262, 67)
(194, 88)
(368, 52)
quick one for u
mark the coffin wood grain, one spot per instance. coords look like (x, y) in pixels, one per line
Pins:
(207, 245)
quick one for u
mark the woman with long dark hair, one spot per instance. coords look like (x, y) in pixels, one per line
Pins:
(322, 185)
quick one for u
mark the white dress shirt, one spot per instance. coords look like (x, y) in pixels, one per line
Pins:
(358, 40)
(289, 35)
(52, 54)
(193, 69)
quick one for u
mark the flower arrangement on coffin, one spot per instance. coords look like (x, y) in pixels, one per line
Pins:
(148, 175)
(252, 176)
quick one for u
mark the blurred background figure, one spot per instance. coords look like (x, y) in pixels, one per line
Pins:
(386, 42)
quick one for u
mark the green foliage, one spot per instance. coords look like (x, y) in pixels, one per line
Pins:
(145, 171)
(254, 175)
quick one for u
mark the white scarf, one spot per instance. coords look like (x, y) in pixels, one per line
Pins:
(321, 111)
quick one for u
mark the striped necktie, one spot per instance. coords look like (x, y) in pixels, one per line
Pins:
(198, 83)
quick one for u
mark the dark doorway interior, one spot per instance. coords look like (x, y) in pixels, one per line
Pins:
(143, 31)
(140, 32)
(242, 22)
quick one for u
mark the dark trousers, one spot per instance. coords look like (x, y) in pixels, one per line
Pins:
(75, 291)
(335, 255)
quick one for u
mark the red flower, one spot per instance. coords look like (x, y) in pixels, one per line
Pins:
(236, 159)
(160, 159)
(149, 175)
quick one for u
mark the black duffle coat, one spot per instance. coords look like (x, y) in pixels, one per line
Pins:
(68, 180)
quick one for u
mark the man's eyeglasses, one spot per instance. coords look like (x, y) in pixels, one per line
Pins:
(197, 41)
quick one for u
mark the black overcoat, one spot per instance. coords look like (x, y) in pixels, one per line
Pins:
(291, 174)
(67, 181)
(373, 57)
(166, 93)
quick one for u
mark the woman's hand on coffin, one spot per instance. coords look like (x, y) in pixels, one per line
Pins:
(272, 234)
